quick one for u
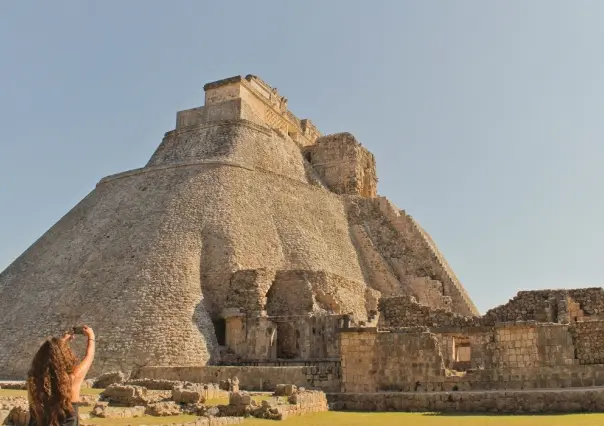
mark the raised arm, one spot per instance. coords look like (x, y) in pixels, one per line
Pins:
(81, 370)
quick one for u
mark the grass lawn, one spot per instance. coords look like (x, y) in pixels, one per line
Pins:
(146, 420)
(335, 418)
(385, 419)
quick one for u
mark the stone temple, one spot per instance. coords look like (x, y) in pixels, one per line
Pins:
(248, 236)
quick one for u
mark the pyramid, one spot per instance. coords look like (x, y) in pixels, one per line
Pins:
(243, 207)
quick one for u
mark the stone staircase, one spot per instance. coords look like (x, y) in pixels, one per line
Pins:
(404, 223)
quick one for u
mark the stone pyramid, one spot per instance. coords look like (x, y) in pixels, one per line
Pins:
(243, 206)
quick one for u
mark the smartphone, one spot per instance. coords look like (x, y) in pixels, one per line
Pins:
(78, 330)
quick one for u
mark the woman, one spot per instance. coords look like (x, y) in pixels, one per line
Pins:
(54, 380)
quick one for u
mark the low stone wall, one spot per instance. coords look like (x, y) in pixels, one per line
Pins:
(13, 385)
(306, 402)
(559, 377)
(504, 402)
(250, 378)
(374, 361)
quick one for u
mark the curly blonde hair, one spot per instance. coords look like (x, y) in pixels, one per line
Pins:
(49, 383)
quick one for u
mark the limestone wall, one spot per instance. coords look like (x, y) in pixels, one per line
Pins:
(551, 306)
(508, 346)
(540, 305)
(324, 377)
(404, 311)
(373, 361)
(588, 338)
(505, 402)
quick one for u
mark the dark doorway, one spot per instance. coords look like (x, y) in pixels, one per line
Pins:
(287, 343)
(220, 330)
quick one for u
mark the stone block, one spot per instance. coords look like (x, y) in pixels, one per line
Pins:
(188, 394)
(107, 379)
(165, 408)
(109, 412)
(125, 395)
(240, 398)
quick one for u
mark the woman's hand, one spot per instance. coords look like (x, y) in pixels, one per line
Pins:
(88, 332)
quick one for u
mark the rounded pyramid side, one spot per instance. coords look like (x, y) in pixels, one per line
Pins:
(145, 259)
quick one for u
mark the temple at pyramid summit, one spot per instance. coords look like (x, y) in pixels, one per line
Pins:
(252, 240)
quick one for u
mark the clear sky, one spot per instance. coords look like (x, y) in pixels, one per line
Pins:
(485, 116)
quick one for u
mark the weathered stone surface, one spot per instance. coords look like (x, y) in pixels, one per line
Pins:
(188, 393)
(240, 398)
(166, 408)
(325, 375)
(125, 395)
(107, 379)
(109, 412)
(285, 390)
(153, 384)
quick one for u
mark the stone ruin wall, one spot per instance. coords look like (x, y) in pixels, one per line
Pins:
(373, 361)
(554, 306)
(324, 376)
(495, 352)
(588, 338)
(508, 356)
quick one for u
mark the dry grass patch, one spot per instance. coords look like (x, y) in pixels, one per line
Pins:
(11, 392)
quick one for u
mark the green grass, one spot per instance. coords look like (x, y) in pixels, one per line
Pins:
(335, 418)
(145, 420)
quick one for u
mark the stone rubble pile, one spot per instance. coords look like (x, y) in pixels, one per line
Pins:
(188, 393)
(125, 395)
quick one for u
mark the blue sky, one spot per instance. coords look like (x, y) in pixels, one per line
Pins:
(484, 116)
